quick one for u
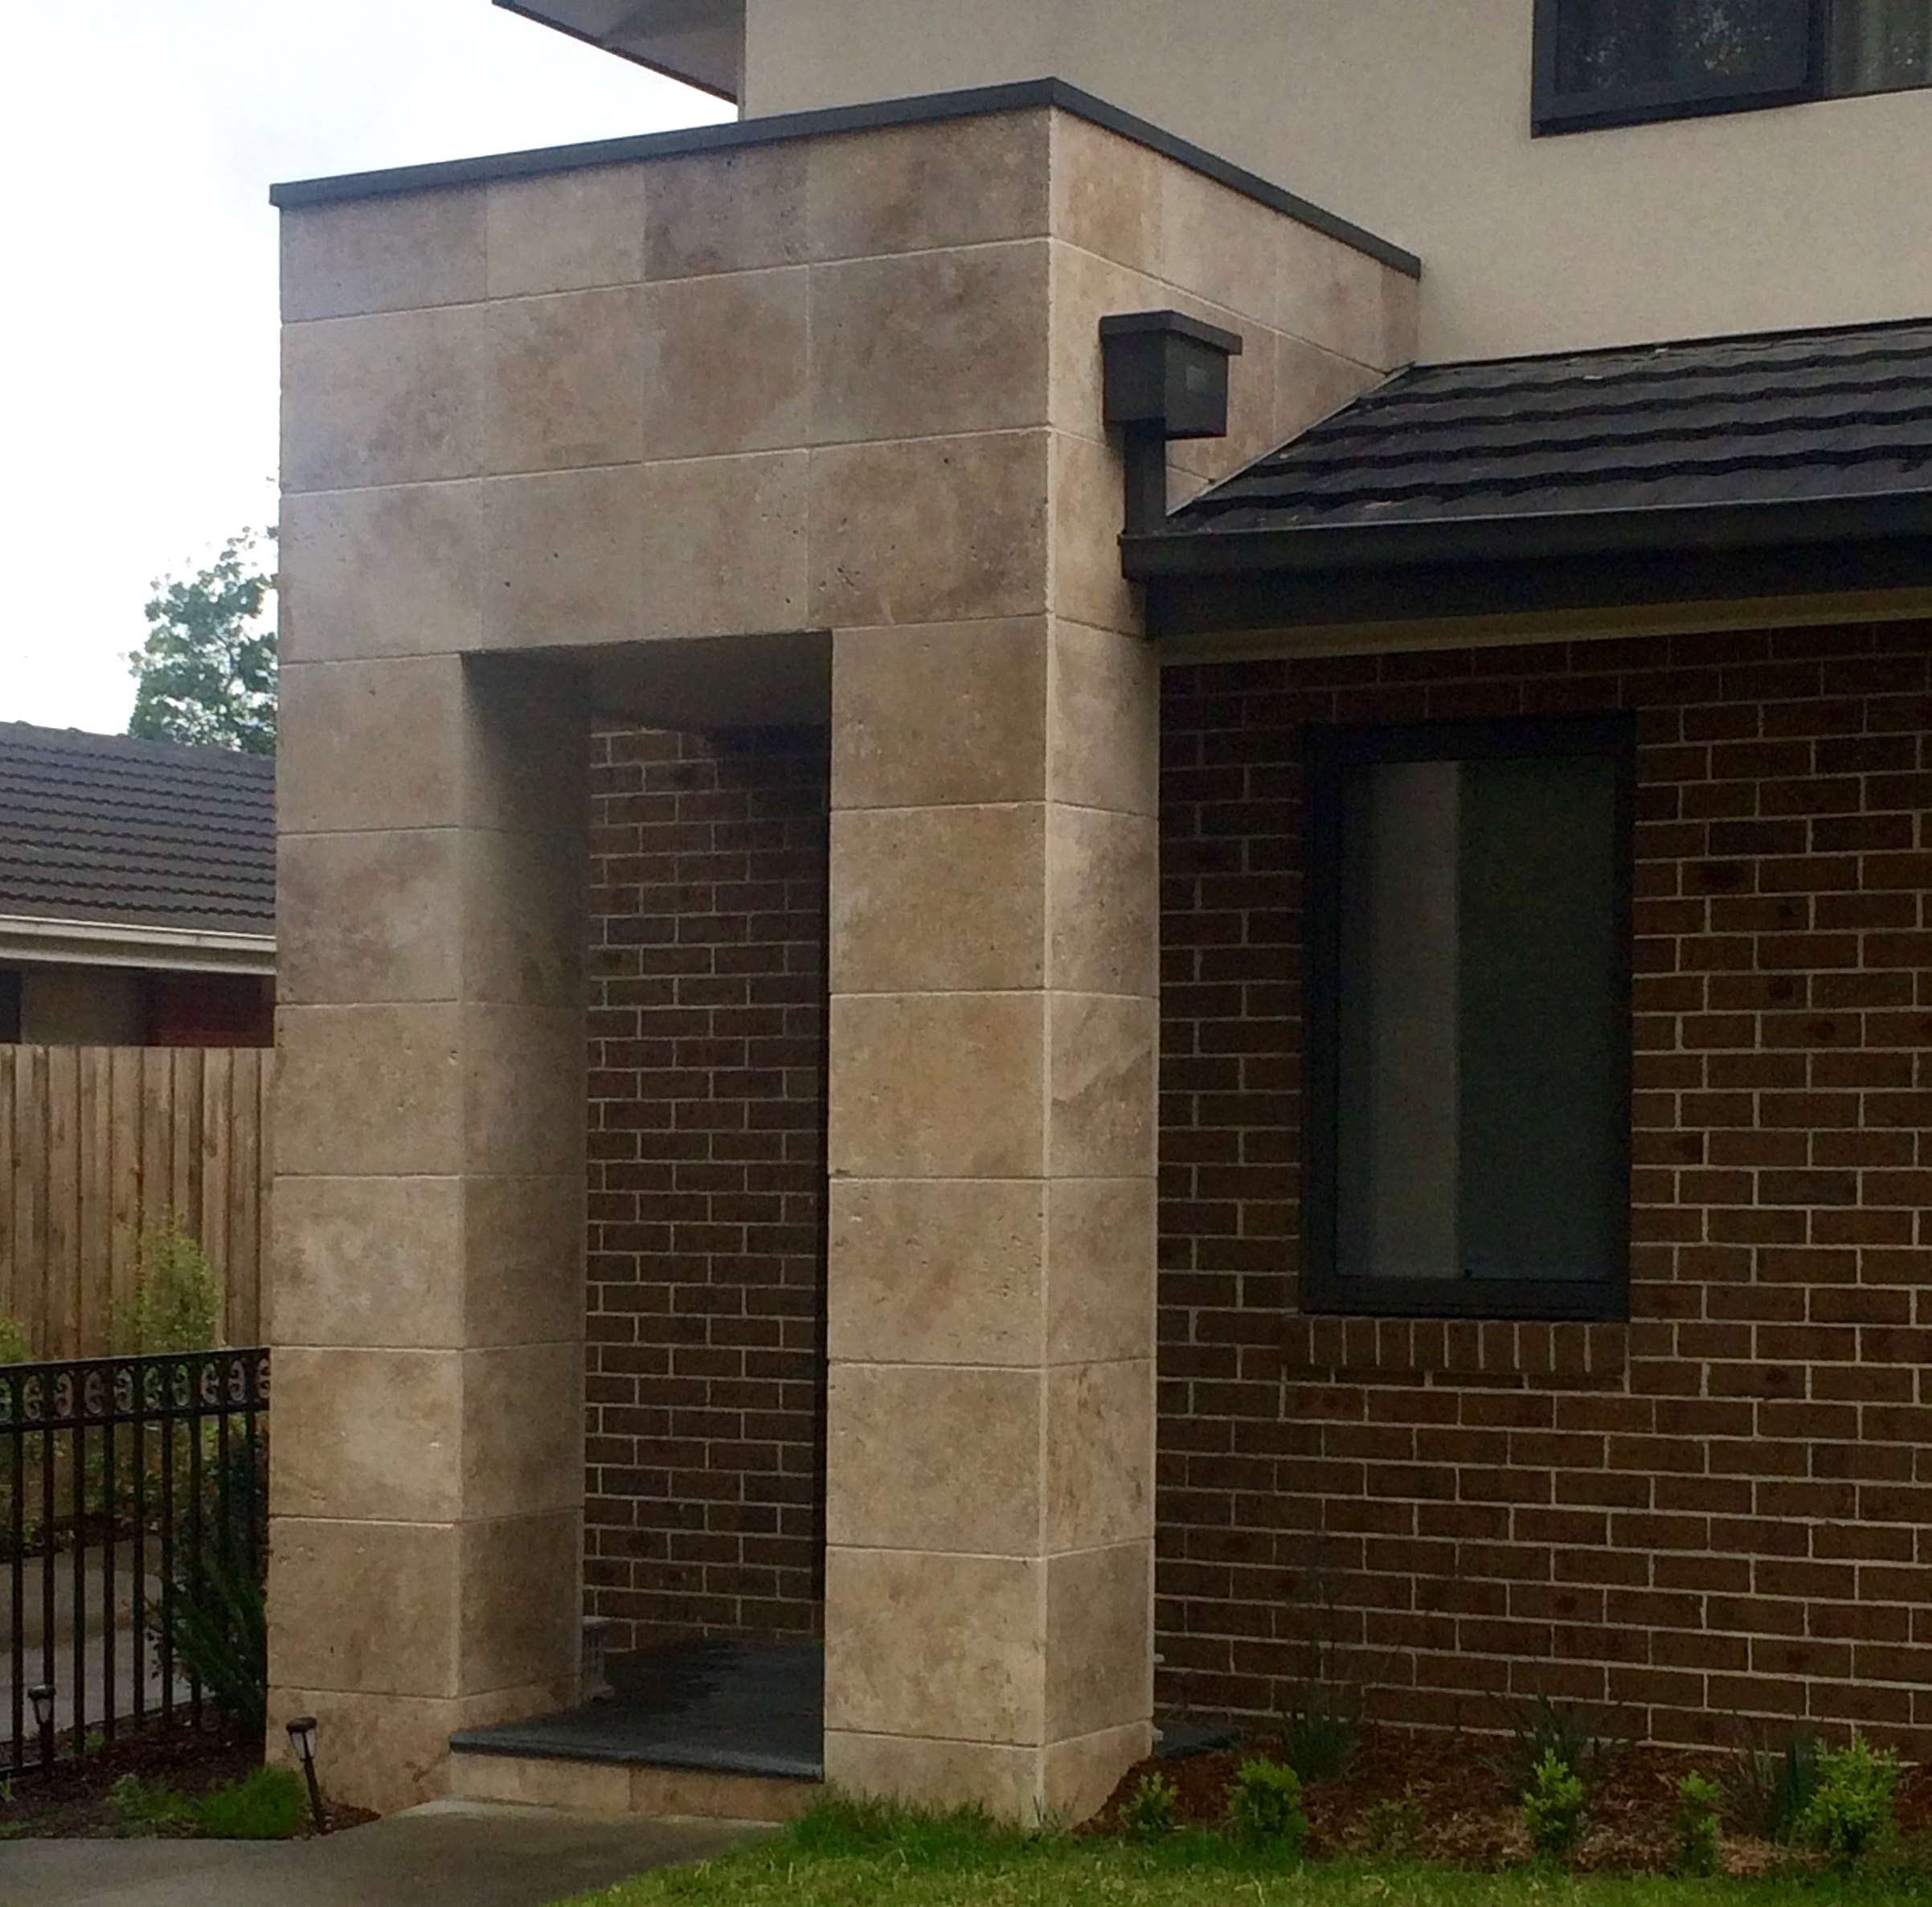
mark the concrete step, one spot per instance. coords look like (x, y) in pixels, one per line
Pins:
(611, 1786)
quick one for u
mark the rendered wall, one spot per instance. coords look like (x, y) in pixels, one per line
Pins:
(1716, 1510)
(1412, 117)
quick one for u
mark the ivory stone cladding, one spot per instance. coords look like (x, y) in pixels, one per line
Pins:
(847, 382)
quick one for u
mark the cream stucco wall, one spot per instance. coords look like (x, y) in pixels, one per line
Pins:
(1412, 117)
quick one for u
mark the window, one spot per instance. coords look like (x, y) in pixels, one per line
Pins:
(1468, 1019)
(1616, 61)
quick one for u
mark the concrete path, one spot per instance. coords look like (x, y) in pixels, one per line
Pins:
(447, 1854)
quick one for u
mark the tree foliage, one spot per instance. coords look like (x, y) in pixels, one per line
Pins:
(206, 674)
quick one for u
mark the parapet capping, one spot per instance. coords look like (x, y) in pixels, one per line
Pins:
(973, 103)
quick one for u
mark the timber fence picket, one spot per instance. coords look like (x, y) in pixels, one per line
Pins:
(97, 1142)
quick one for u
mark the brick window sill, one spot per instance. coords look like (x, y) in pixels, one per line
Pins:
(1582, 1356)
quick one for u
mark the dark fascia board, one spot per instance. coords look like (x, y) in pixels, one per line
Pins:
(650, 66)
(973, 103)
(1233, 601)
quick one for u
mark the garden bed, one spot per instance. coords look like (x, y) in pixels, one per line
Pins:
(1464, 1808)
(75, 1800)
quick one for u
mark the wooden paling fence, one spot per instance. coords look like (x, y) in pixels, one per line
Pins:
(98, 1144)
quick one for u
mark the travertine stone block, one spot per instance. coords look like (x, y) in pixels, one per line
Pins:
(1099, 1455)
(1100, 1276)
(566, 230)
(938, 899)
(939, 530)
(384, 1754)
(1107, 195)
(1103, 739)
(1005, 1780)
(728, 212)
(393, 944)
(1311, 382)
(565, 381)
(368, 1090)
(392, 571)
(893, 1616)
(521, 1429)
(522, 1258)
(936, 1459)
(367, 1608)
(725, 365)
(900, 1245)
(1086, 289)
(1099, 1671)
(1079, 1774)
(523, 1089)
(1087, 513)
(530, 953)
(725, 550)
(894, 1113)
(365, 1261)
(366, 746)
(395, 398)
(1342, 300)
(369, 1434)
(386, 254)
(562, 556)
(925, 717)
(520, 1602)
(897, 189)
(1221, 245)
(934, 344)
(1101, 1090)
(1102, 884)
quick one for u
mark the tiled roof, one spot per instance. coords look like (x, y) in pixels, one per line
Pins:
(104, 828)
(1778, 418)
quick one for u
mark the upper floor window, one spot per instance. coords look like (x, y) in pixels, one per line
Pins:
(1617, 61)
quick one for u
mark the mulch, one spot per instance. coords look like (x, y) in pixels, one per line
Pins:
(1467, 1816)
(72, 1802)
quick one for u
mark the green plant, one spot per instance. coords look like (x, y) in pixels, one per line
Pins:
(13, 1346)
(1577, 1735)
(1264, 1803)
(1699, 1805)
(136, 1803)
(219, 1630)
(1149, 1810)
(1769, 1788)
(266, 1804)
(1392, 1830)
(176, 1301)
(1851, 1809)
(1319, 1728)
(1553, 1806)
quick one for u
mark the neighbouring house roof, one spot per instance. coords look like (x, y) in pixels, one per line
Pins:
(1736, 444)
(125, 833)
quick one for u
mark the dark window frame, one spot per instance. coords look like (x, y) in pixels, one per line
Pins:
(1327, 752)
(1554, 111)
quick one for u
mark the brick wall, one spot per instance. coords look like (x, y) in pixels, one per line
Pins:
(706, 1174)
(1723, 1508)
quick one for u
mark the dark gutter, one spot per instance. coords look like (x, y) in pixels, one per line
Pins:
(974, 103)
(1206, 551)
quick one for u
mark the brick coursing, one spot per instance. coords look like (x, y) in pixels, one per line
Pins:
(707, 1116)
(1723, 1508)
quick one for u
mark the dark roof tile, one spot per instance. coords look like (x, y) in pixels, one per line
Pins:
(106, 828)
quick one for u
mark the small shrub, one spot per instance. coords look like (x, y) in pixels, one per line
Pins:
(1553, 1807)
(1699, 1805)
(1852, 1811)
(13, 1346)
(266, 1804)
(1392, 1830)
(1318, 1728)
(1770, 1788)
(1577, 1736)
(1264, 1803)
(1148, 1812)
(177, 1303)
(136, 1803)
(219, 1630)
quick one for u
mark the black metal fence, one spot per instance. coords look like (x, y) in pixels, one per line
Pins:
(134, 1528)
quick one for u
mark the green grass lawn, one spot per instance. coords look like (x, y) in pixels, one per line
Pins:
(849, 1858)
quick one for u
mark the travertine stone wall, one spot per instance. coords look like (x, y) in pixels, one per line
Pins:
(850, 383)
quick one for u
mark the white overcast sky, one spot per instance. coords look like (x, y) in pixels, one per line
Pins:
(138, 139)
